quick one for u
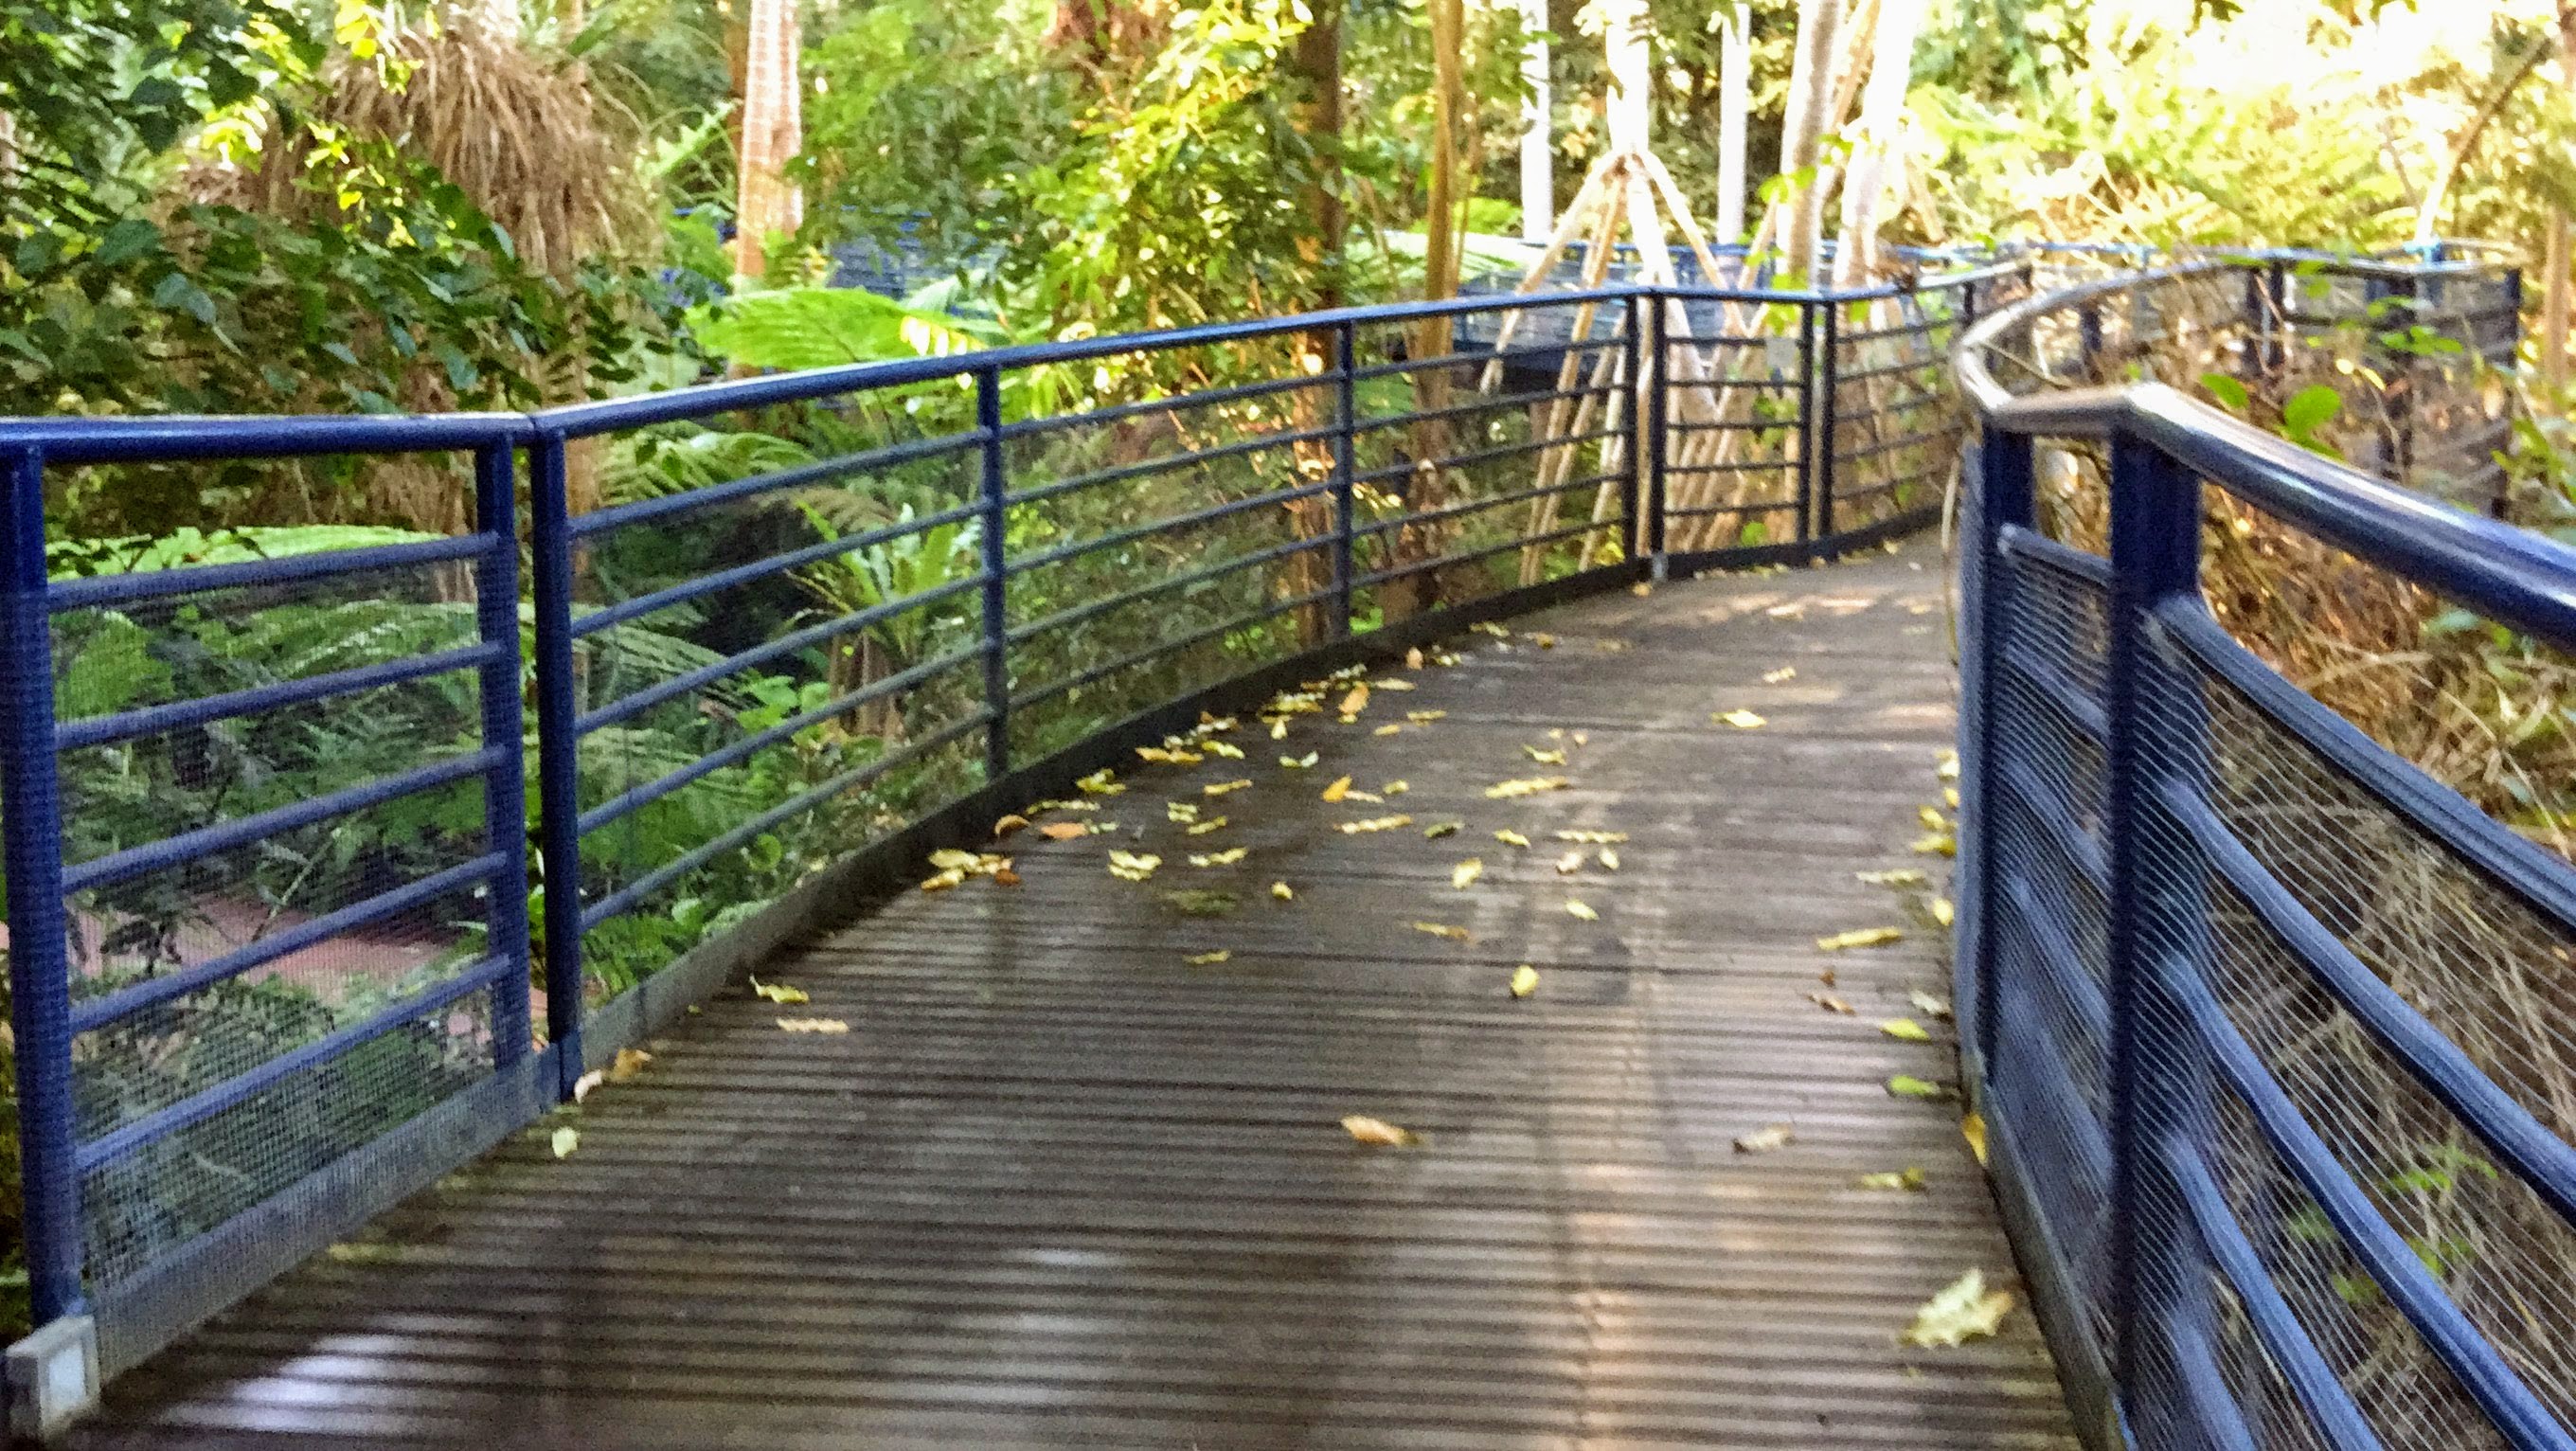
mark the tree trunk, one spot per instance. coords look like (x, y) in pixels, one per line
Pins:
(1734, 103)
(1443, 237)
(1803, 127)
(2554, 298)
(1882, 116)
(1538, 159)
(767, 203)
(1623, 36)
(1315, 62)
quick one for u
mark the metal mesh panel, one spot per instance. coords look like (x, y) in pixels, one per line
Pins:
(1896, 414)
(2050, 943)
(140, 1207)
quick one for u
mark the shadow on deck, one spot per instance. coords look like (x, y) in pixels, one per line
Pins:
(1059, 1186)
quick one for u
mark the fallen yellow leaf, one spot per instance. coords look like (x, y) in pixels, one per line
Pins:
(1220, 788)
(1942, 911)
(778, 992)
(1764, 1140)
(1439, 829)
(1392, 683)
(1208, 959)
(628, 1063)
(1950, 796)
(1743, 720)
(1609, 859)
(1202, 828)
(1902, 877)
(1425, 717)
(1524, 980)
(1930, 1005)
(1932, 818)
(1413, 658)
(1227, 749)
(1181, 810)
(1785, 672)
(1008, 824)
(1942, 844)
(1389, 729)
(1528, 786)
(1540, 638)
(1375, 823)
(1378, 1131)
(1582, 910)
(1283, 891)
(1830, 1003)
(1396, 788)
(1064, 830)
(1490, 628)
(813, 1025)
(1973, 1129)
(1905, 1028)
(565, 1140)
(1466, 872)
(1509, 837)
(1103, 782)
(1861, 937)
(1570, 863)
(1948, 767)
(1356, 701)
(1442, 929)
(1279, 729)
(1338, 789)
(1546, 758)
(1964, 1311)
(1907, 1180)
(1133, 866)
(944, 880)
(1592, 838)
(1220, 858)
(1299, 763)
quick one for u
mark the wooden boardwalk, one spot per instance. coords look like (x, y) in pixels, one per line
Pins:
(1057, 1186)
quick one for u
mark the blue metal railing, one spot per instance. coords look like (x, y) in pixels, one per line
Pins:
(2245, 991)
(271, 851)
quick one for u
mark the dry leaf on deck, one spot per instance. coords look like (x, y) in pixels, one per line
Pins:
(1932, 818)
(1413, 658)
(1830, 1003)
(1592, 838)
(1064, 830)
(1442, 929)
(1948, 768)
(1964, 1311)
(1103, 782)
(1743, 720)
(1764, 1140)
(1202, 828)
(1906, 1085)
(1226, 749)
(1219, 858)
(1389, 729)
(1396, 788)
(1973, 1128)
(1509, 837)
(1906, 1029)
(813, 1025)
(1392, 683)
(1524, 980)
(1299, 763)
(1466, 872)
(1338, 789)
(1546, 758)
(1901, 877)
(1526, 786)
(1929, 1005)
(1133, 866)
(1425, 717)
(1008, 824)
(1375, 823)
(1283, 891)
(1942, 844)
(1861, 937)
(1785, 672)
(565, 1140)
(1356, 701)
(778, 992)
(1569, 863)
(1907, 1180)
(943, 881)
(1181, 810)
(1582, 910)
(1942, 911)
(1609, 859)
(1220, 788)
(1208, 959)
(629, 1062)
(1439, 829)
(1379, 1132)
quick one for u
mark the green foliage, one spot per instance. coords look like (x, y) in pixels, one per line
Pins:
(818, 327)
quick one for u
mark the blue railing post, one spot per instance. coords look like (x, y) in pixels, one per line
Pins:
(558, 751)
(40, 987)
(2005, 494)
(1658, 426)
(1345, 511)
(1828, 418)
(997, 625)
(2159, 938)
(505, 787)
(1807, 448)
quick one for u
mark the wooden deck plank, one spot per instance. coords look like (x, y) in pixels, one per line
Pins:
(1058, 1187)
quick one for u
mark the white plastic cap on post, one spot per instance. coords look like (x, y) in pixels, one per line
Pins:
(53, 1377)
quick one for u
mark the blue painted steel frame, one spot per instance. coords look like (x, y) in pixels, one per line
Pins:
(47, 1020)
(2175, 1232)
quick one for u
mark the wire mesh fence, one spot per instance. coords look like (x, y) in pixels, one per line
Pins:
(2268, 1020)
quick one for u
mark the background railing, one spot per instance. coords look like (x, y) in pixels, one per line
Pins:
(270, 795)
(2268, 1025)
